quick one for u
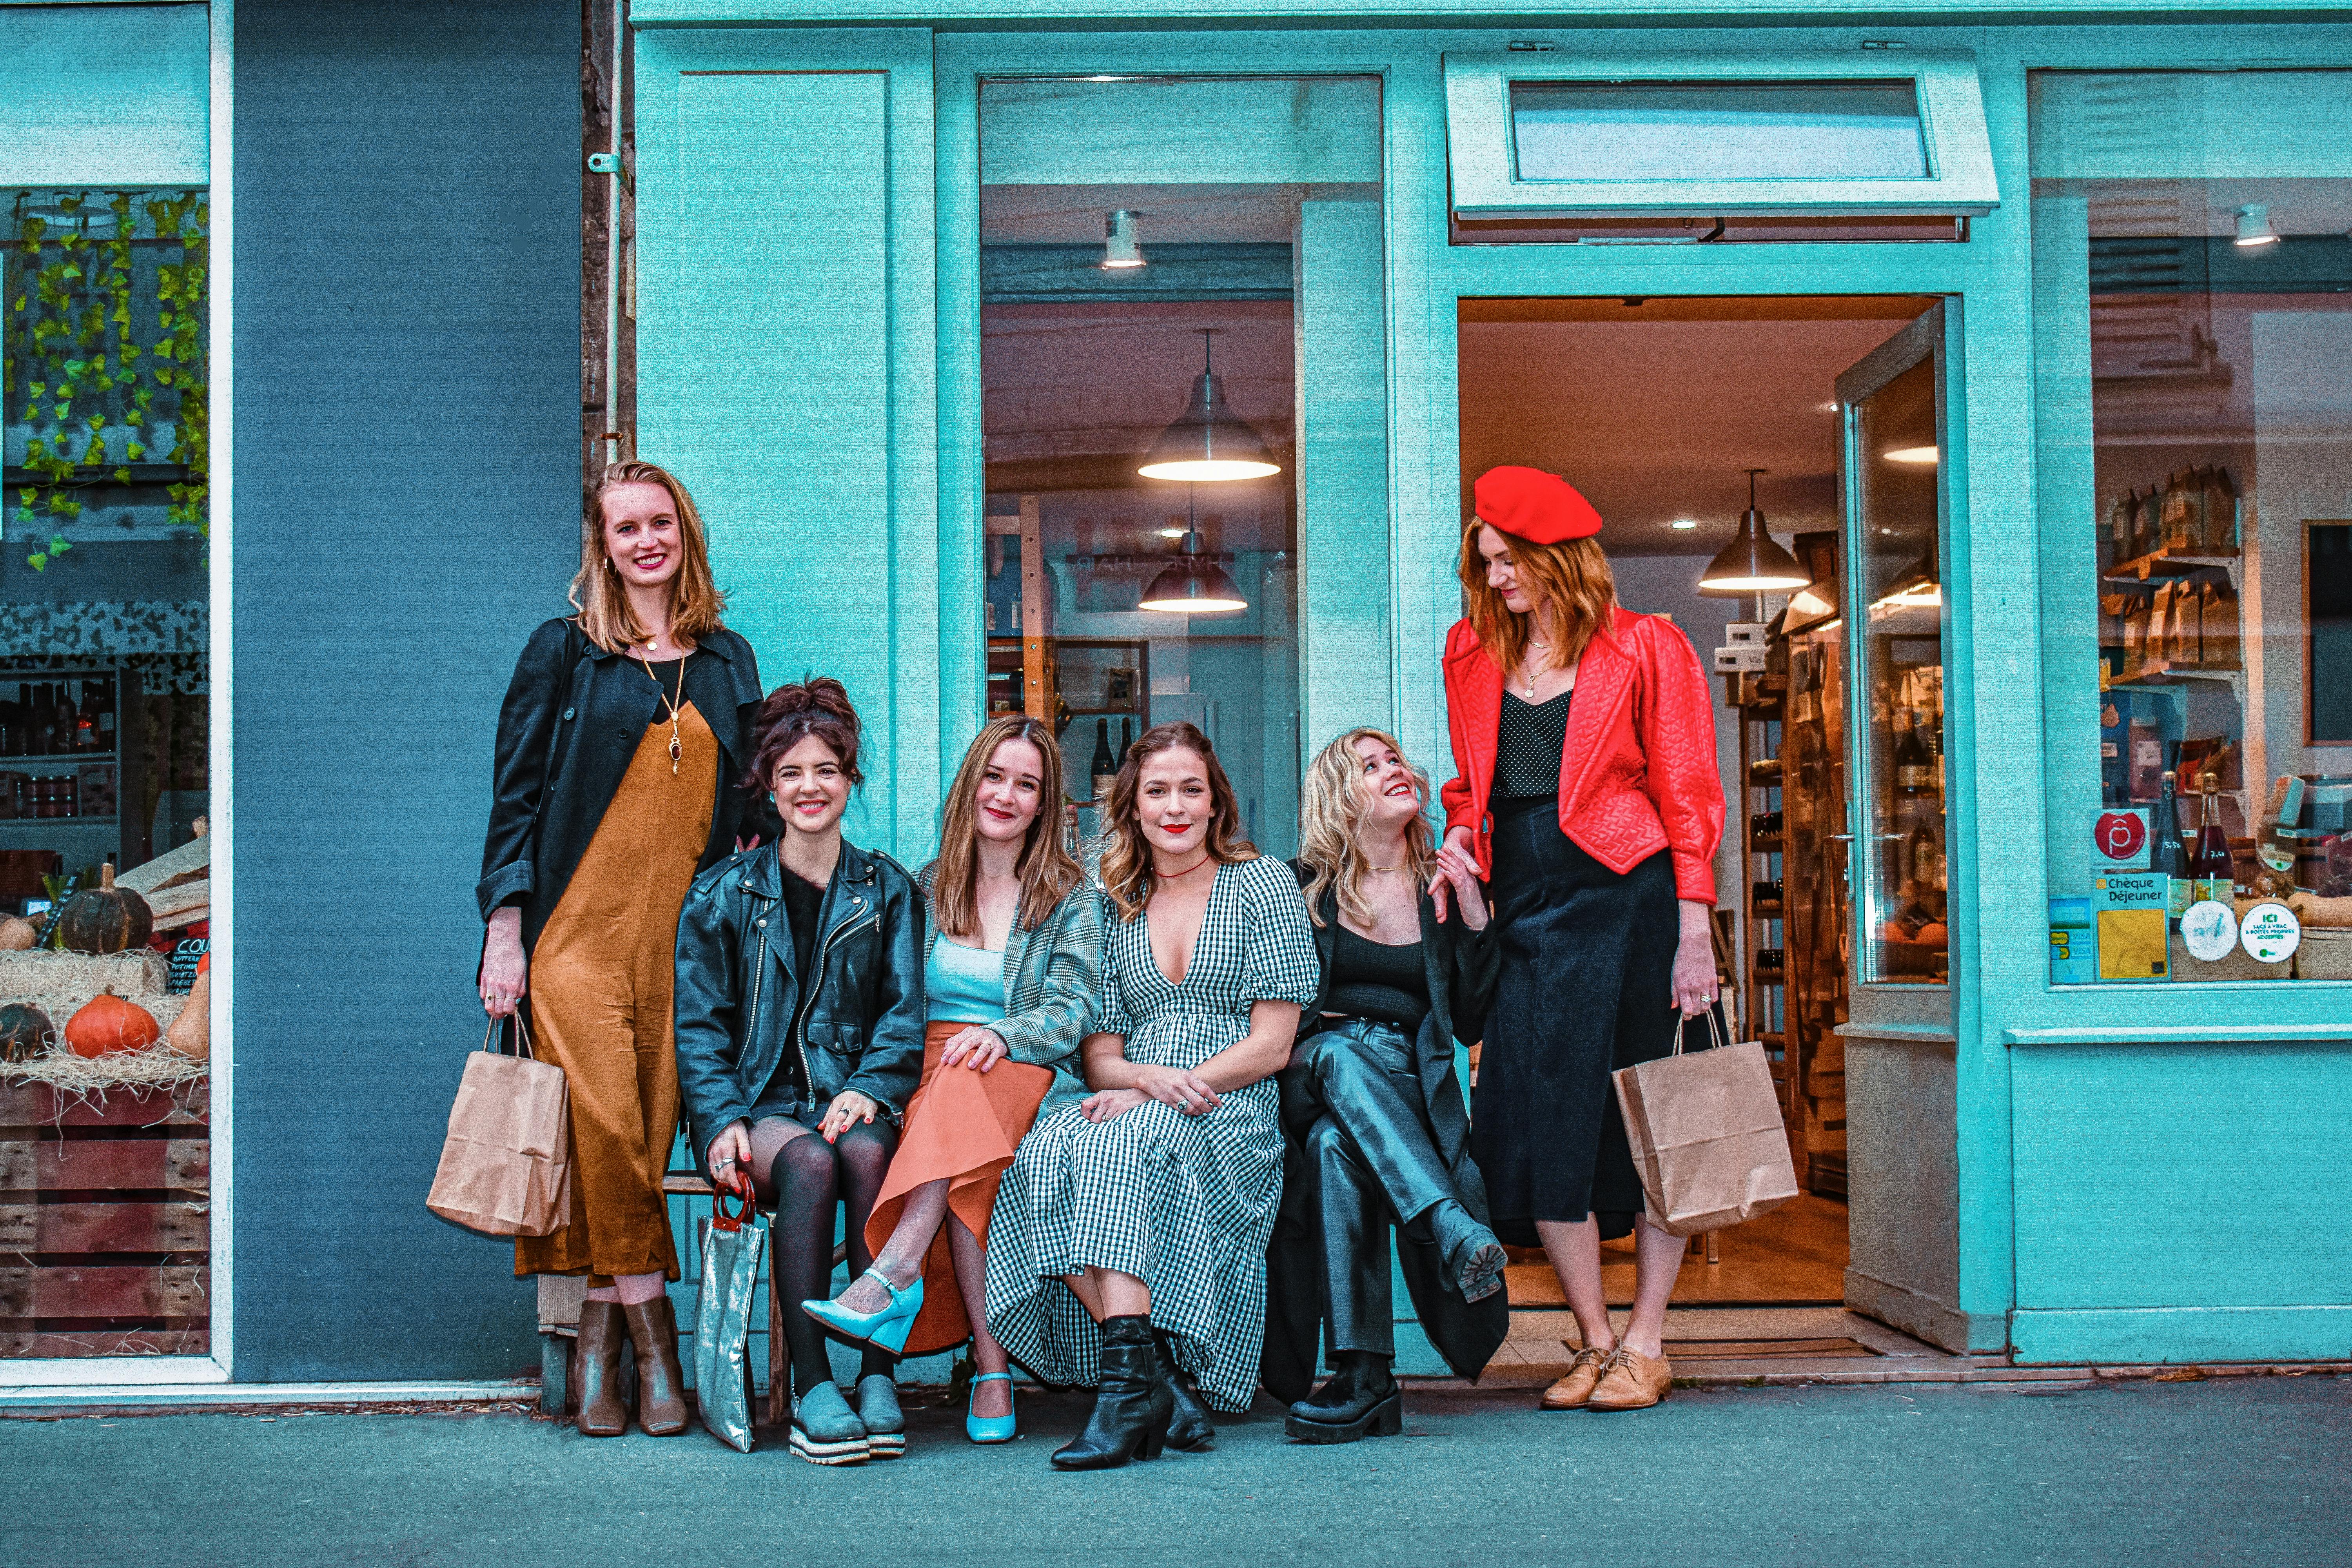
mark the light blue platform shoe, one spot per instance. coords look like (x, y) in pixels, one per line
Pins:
(991, 1428)
(885, 1328)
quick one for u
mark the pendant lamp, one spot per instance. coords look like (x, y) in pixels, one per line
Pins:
(1209, 442)
(1751, 563)
(1193, 583)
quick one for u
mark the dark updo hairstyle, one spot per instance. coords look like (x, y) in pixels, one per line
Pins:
(815, 705)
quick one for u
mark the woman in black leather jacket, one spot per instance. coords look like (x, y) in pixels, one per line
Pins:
(800, 1040)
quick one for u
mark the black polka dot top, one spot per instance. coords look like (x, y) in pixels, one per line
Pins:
(1528, 746)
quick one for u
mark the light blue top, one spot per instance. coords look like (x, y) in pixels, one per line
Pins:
(964, 985)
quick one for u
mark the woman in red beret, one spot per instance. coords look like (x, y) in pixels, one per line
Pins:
(1587, 798)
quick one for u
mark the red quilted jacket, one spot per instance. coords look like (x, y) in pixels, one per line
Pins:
(1638, 774)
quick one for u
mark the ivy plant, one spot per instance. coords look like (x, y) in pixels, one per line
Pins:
(104, 341)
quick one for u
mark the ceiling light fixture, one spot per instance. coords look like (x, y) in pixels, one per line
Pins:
(1682, 522)
(1916, 589)
(1173, 532)
(1751, 563)
(1122, 239)
(1193, 583)
(2253, 223)
(1209, 442)
(1921, 457)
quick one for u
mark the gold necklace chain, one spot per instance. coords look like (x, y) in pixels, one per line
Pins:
(674, 704)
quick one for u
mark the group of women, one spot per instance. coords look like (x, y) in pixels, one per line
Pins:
(1146, 1131)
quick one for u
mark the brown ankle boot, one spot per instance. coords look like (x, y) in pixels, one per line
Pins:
(661, 1383)
(597, 1370)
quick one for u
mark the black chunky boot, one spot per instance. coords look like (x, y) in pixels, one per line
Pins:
(1359, 1399)
(1190, 1430)
(1131, 1406)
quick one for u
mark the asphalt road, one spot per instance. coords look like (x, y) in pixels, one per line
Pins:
(2253, 1471)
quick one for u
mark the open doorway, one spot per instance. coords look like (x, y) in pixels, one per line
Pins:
(1657, 410)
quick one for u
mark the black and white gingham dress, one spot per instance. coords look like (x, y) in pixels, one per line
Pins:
(1183, 1203)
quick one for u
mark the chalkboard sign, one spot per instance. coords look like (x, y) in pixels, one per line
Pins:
(2328, 596)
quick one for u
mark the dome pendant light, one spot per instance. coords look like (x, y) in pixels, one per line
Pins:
(1209, 442)
(1751, 563)
(1193, 583)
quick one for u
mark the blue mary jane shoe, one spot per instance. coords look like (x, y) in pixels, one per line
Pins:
(991, 1428)
(885, 1328)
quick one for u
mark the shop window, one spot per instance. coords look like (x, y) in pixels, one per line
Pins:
(1695, 150)
(1183, 379)
(2193, 308)
(104, 720)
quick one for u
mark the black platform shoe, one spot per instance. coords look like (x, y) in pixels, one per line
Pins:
(1132, 1405)
(1190, 1430)
(1359, 1400)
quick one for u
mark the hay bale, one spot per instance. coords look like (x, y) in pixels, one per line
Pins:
(41, 976)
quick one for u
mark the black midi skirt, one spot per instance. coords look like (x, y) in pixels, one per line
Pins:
(1585, 987)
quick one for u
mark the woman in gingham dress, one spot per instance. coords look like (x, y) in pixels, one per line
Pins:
(1128, 1249)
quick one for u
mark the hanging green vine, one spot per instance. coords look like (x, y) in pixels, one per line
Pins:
(105, 342)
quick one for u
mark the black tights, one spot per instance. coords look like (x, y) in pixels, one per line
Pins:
(807, 1178)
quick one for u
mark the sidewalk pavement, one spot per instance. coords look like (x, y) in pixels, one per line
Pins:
(2150, 1474)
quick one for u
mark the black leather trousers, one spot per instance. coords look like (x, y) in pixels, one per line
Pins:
(1376, 1164)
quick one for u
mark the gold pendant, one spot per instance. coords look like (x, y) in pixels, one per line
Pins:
(675, 751)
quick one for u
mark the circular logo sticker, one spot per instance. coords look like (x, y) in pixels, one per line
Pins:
(2120, 834)
(2210, 930)
(2270, 933)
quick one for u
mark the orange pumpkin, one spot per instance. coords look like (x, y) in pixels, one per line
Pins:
(108, 1024)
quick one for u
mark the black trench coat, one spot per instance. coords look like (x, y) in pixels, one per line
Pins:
(1460, 966)
(573, 717)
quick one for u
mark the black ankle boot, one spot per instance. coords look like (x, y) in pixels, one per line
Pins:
(1190, 1430)
(1474, 1259)
(1131, 1406)
(1359, 1399)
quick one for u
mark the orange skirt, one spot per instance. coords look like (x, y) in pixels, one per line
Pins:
(964, 1126)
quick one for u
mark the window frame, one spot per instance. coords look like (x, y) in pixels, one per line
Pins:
(1959, 181)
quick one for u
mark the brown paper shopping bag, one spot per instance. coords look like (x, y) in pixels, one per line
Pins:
(1707, 1135)
(506, 1166)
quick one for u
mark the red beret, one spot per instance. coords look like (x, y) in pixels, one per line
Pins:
(1528, 504)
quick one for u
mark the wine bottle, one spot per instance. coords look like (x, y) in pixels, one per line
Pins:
(22, 743)
(85, 730)
(2171, 851)
(106, 716)
(9, 722)
(1104, 768)
(1126, 736)
(1914, 769)
(45, 720)
(2212, 865)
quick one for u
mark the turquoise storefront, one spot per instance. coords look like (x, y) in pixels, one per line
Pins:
(881, 319)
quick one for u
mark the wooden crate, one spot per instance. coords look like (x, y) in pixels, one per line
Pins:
(105, 1223)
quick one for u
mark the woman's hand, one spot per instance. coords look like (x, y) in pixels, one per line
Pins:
(730, 1159)
(505, 974)
(1187, 1091)
(848, 1106)
(1458, 873)
(977, 1048)
(1457, 843)
(1694, 981)
(1109, 1103)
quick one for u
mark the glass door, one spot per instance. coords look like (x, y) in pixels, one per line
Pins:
(1893, 405)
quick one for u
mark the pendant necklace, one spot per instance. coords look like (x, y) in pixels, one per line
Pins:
(676, 749)
(1526, 667)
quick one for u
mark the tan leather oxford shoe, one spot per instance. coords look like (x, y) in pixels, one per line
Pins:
(1631, 1381)
(1570, 1392)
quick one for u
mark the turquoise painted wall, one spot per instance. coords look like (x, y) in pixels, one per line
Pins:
(2078, 1229)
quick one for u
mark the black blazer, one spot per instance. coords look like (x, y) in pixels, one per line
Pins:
(573, 716)
(1460, 966)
